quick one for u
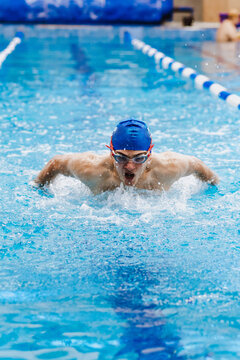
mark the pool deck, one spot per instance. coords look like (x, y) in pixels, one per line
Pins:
(167, 25)
(197, 25)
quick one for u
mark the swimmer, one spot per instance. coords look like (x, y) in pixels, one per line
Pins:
(130, 162)
(227, 30)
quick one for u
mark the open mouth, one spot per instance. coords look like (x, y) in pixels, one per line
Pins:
(129, 176)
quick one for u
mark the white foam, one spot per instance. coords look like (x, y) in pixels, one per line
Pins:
(114, 207)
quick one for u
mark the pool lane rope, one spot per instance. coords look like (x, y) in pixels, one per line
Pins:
(11, 47)
(201, 81)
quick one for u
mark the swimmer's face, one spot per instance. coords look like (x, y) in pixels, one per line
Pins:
(130, 171)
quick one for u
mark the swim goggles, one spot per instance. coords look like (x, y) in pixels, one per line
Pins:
(123, 159)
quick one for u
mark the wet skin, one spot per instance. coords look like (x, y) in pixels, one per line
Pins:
(102, 172)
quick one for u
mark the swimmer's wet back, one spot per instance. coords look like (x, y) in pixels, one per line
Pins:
(128, 273)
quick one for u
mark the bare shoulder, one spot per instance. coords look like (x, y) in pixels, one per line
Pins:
(89, 162)
(169, 157)
(94, 170)
(89, 167)
(169, 166)
(86, 156)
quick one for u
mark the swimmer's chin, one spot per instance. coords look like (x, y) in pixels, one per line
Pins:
(127, 183)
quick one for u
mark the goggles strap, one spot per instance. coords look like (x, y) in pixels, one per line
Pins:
(111, 147)
(150, 149)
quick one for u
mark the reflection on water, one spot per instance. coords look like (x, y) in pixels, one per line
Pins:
(222, 61)
(83, 67)
(146, 332)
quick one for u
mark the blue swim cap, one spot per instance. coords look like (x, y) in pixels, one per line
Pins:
(131, 135)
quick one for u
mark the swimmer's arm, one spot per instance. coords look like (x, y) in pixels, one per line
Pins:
(197, 167)
(172, 166)
(81, 166)
(59, 164)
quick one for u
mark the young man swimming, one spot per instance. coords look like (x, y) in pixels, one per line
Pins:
(130, 162)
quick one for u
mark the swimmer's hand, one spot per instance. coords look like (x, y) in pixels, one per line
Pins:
(36, 183)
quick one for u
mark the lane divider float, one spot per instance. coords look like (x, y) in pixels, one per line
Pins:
(200, 81)
(11, 47)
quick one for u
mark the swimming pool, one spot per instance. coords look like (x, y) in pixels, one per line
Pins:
(126, 274)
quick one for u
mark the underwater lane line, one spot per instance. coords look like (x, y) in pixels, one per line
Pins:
(11, 47)
(200, 81)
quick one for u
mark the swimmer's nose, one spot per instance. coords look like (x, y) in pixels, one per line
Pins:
(130, 165)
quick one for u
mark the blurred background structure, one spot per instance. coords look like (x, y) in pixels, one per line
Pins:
(112, 11)
(206, 10)
(85, 11)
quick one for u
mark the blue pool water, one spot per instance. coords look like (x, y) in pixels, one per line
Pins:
(126, 274)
